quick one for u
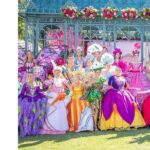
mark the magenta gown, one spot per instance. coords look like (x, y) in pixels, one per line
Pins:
(121, 97)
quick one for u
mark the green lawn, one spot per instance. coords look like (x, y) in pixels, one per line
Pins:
(100, 140)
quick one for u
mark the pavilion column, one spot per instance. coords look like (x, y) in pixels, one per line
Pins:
(142, 43)
(26, 34)
(115, 35)
(76, 33)
(104, 32)
(36, 37)
(65, 37)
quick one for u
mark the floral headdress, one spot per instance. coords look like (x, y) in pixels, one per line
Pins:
(117, 50)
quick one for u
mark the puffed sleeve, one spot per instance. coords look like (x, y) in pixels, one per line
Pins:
(110, 81)
(23, 91)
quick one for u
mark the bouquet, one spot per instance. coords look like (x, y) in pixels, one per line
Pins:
(94, 91)
(109, 13)
(70, 12)
(145, 13)
(89, 13)
(129, 14)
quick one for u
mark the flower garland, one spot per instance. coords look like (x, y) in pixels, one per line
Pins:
(129, 14)
(109, 13)
(70, 12)
(89, 13)
(145, 13)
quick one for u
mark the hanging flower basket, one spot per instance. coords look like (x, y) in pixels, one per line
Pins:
(145, 13)
(89, 13)
(129, 14)
(70, 12)
(109, 13)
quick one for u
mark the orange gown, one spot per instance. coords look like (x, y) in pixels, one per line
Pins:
(76, 107)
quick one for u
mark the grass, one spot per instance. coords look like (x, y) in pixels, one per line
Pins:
(100, 140)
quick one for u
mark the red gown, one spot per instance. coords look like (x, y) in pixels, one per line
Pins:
(146, 110)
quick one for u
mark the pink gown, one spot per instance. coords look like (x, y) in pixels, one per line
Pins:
(137, 80)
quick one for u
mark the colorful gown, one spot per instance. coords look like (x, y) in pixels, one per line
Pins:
(56, 114)
(146, 110)
(119, 107)
(32, 108)
(79, 111)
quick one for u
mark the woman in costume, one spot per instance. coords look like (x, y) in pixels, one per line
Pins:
(88, 65)
(146, 110)
(136, 73)
(95, 50)
(138, 83)
(28, 66)
(119, 107)
(79, 111)
(32, 107)
(108, 71)
(56, 113)
(39, 72)
(117, 60)
(78, 58)
(94, 94)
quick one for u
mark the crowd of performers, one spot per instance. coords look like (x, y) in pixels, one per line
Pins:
(100, 91)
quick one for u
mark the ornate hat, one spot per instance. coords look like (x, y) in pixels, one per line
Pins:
(94, 48)
(117, 50)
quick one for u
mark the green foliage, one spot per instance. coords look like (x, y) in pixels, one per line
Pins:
(21, 27)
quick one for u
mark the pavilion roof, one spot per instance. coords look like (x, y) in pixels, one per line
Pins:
(53, 6)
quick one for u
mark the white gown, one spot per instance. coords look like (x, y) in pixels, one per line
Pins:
(56, 116)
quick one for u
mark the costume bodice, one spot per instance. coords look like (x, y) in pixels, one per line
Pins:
(78, 90)
(30, 90)
(117, 82)
(29, 66)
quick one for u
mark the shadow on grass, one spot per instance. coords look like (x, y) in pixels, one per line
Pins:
(141, 139)
(35, 140)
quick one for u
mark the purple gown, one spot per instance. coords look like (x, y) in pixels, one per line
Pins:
(121, 97)
(32, 107)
